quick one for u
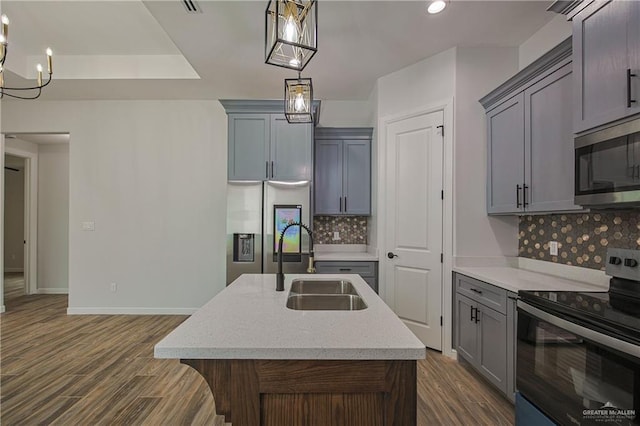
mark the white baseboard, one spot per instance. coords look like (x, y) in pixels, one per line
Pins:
(131, 311)
(14, 269)
(52, 291)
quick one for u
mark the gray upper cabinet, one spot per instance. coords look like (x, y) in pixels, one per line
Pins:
(291, 146)
(356, 176)
(530, 140)
(505, 171)
(328, 177)
(606, 46)
(248, 146)
(342, 182)
(264, 146)
(549, 153)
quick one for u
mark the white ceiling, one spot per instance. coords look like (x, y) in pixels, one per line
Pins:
(156, 50)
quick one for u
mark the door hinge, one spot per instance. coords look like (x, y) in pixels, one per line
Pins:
(442, 194)
(441, 257)
(441, 127)
(440, 321)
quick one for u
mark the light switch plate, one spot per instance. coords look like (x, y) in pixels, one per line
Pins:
(553, 248)
(88, 226)
(336, 235)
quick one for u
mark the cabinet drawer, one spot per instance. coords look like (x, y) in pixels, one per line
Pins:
(364, 269)
(486, 294)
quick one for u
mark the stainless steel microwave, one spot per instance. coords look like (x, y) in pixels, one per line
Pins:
(607, 167)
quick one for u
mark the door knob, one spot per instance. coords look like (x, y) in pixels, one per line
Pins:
(391, 255)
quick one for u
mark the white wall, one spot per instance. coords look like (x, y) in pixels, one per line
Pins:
(478, 72)
(345, 113)
(14, 220)
(152, 176)
(53, 218)
(419, 85)
(552, 34)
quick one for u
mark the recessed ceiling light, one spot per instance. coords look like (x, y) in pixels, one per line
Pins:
(436, 6)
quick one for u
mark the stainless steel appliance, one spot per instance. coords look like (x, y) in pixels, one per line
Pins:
(255, 212)
(607, 166)
(578, 353)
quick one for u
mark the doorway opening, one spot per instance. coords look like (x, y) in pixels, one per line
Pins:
(36, 216)
(14, 227)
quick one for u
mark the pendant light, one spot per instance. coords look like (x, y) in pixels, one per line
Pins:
(291, 31)
(298, 100)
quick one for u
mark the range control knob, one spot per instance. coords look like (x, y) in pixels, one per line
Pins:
(632, 263)
(614, 260)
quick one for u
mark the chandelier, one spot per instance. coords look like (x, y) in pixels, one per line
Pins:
(21, 92)
(291, 33)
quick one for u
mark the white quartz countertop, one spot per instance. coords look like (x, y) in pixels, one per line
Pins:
(249, 320)
(349, 256)
(515, 279)
(344, 252)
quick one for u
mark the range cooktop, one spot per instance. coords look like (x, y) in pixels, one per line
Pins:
(615, 312)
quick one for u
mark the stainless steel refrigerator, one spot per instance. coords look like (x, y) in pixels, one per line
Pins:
(255, 212)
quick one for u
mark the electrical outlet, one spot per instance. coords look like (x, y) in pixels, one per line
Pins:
(553, 248)
(114, 287)
(336, 235)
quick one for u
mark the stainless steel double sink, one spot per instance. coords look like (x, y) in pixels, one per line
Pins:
(324, 295)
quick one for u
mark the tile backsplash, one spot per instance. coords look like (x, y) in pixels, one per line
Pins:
(352, 229)
(583, 238)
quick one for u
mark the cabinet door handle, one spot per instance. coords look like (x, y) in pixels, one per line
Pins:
(266, 170)
(629, 75)
(471, 310)
(524, 195)
(477, 317)
(345, 269)
(475, 290)
(340, 204)
(272, 175)
(518, 203)
(345, 204)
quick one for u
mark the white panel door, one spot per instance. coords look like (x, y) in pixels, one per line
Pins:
(414, 224)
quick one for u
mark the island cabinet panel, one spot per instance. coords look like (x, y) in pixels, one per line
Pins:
(300, 392)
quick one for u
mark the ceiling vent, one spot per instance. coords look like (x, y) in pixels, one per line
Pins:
(191, 6)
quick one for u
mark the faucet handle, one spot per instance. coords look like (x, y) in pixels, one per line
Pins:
(311, 269)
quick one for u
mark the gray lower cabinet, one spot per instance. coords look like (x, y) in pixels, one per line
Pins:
(367, 270)
(606, 46)
(530, 150)
(264, 146)
(484, 319)
(342, 183)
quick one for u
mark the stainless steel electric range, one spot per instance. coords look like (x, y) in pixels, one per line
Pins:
(578, 353)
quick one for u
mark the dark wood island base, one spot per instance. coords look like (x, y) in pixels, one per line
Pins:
(304, 392)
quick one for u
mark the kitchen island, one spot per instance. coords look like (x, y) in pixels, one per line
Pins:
(267, 364)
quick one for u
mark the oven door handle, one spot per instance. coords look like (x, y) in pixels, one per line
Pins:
(580, 331)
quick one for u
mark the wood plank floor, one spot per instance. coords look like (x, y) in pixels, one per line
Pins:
(99, 369)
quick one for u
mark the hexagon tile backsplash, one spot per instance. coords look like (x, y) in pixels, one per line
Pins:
(583, 238)
(352, 229)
